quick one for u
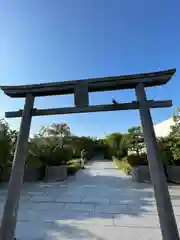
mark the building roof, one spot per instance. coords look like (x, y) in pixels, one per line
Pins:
(94, 84)
(163, 128)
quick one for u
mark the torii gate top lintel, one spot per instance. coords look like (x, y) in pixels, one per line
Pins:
(94, 84)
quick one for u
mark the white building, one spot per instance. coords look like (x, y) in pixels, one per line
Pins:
(163, 129)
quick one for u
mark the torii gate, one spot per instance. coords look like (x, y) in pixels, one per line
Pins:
(80, 89)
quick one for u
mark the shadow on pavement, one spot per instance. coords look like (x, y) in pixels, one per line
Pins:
(90, 205)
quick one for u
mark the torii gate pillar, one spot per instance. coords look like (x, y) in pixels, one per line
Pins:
(8, 222)
(164, 206)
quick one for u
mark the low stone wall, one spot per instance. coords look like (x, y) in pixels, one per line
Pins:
(142, 174)
(55, 173)
(174, 173)
(31, 174)
(5, 174)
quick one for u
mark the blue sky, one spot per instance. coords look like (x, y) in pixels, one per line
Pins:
(42, 41)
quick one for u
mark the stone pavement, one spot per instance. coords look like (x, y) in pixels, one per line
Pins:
(99, 203)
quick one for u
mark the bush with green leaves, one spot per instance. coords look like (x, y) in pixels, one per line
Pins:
(108, 152)
(8, 140)
(73, 166)
(116, 145)
(82, 143)
(33, 162)
(137, 160)
(123, 165)
(135, 140)
(128, 162)
(174, 137)
(58, 131)
(55, 145)
(170, 145)
(165, 147)
(49, 152)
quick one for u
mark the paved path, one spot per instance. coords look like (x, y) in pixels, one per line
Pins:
(100, 203)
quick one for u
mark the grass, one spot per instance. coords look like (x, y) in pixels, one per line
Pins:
(123, 165)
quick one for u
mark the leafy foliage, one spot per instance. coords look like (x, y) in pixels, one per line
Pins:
(135, 139)
(59, 132)
(123, 165)
(137, 160)
(49, 152)
(165, 146)
(117, 144)
(73, 166)
(8, 140)
(79, 143)
(174, 137)
(56, 145)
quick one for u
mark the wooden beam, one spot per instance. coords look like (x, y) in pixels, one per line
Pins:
(81, 95)
(94, 84)
(96, 108)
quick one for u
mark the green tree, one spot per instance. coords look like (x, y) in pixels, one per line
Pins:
(165, 145)
(6, 143)
(59, 132)
(135, 139)
(117, 144)
(175, 129)
(47, 152)
(175, 136)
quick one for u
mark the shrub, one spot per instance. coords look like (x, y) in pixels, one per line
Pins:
(76, 154)
(126, 163)
(57, 156)
(135, 139)
(5, 144)
(115, 146)
(165, 144)
(123, 165)
(108, 153)
(73, 166)
(48, 151)
(33, 162)
(88, 154)
(136, 160)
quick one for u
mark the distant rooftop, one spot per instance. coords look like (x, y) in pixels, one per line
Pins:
(163, 128)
